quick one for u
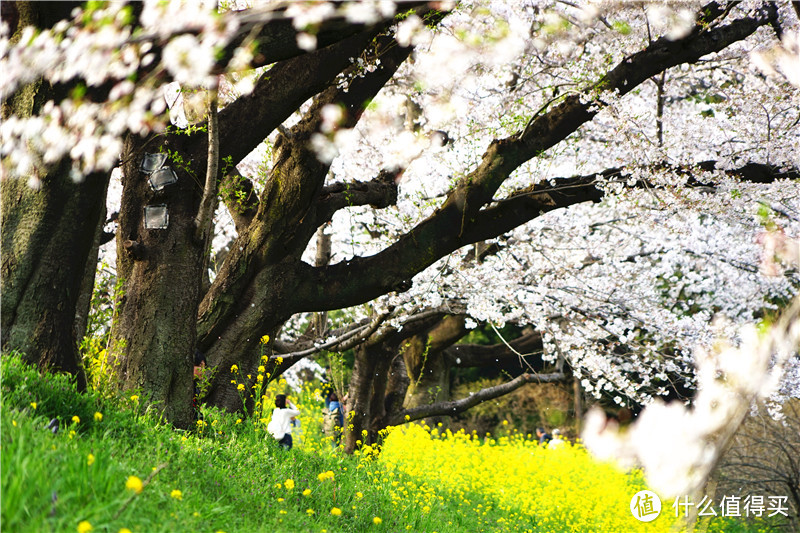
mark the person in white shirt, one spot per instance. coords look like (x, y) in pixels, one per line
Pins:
(281, 424)
(557, 440)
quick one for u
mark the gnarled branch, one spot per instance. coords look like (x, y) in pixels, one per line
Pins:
(457, 406)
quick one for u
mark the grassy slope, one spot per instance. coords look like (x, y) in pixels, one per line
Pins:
(231, 476)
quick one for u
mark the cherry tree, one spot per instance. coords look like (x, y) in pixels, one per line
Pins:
(506, 116)
(624, 290)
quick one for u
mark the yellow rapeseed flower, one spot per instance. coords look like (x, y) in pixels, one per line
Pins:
(135, 398)
(134, 484)
(76, 419)
(34, 404)
(336, 511)
(289, 484)
(265, 339)
(377, 521)
(90, 459)
(261, 369)
(240, 386)
(178, 495)
(234, 368)
(309, 512)
(84, 527)
(307, 492)
(124, 530)
(98, 416)
(359, 495)
(325, 475)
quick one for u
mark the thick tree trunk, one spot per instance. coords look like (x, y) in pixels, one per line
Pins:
(154, 337)
(429, 377)
(47, 232)
(47, 235)
(378, 383)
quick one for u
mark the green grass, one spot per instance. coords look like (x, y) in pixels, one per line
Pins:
(230, 474)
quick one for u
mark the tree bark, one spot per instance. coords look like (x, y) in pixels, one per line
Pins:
(427, 366)
(153, 340)
(47, 232)
(359, 396)
(369, 385)
(47, 236)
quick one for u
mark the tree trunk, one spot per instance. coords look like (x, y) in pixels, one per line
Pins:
(154, 338)
(47, 235)
(256, 289)
(427, 366)
(359, 402)
(379, 382)
(577, 394)
(396, 388)
(84, 303)
(47, 232)
(378, 390)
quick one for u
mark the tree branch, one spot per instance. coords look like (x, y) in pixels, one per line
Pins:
(475, 355)
(274, 35)
(457, 406)
(280, 91)
(379, 192)
(205, 213)
(399, 260)
(346, 341)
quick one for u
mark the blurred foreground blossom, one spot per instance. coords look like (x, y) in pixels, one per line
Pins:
(730, 380)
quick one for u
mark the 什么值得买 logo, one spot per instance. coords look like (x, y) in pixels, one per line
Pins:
(645, 506)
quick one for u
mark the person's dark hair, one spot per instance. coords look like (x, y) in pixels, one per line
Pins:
(540, 430)
(199, 358)
(280, 401)
(334, 397)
